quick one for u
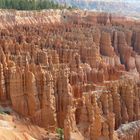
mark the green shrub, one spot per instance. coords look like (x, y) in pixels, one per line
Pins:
(60, 133)
(1, 112)
(15, 126)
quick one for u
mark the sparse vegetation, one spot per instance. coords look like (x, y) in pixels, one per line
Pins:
(2, 112)
(15, 126)
(60, 133)
(5, 110)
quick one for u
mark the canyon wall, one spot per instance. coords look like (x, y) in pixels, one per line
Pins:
(74, 70)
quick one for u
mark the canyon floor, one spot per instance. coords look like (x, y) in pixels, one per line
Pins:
(77, 71)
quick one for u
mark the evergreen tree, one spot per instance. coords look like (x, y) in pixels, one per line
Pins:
(29, 4)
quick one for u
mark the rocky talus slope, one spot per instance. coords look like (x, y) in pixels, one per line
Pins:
(74, 70)
(15, 128)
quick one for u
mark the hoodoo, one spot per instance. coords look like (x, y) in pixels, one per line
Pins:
(73, 71)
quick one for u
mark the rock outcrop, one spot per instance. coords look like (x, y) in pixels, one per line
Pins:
(15, 127)
(74, 70)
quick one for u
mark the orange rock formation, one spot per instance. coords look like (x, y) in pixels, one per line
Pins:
(74, 70)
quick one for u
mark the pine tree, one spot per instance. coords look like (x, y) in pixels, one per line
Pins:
(28, 4)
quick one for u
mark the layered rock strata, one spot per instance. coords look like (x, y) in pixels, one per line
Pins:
(76, 70)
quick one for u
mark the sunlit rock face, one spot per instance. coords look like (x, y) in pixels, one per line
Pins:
(15, 127)
(74, 70)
